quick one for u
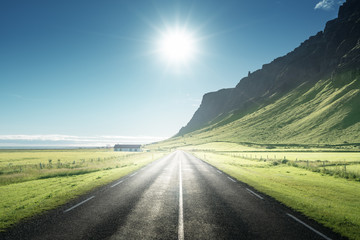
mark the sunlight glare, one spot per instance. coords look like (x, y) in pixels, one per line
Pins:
(177, 46)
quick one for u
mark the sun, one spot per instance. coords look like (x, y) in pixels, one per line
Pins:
(177, 46)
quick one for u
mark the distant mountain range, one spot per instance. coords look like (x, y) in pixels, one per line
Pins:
(310, 95)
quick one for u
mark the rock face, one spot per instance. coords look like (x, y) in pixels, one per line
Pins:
(332, 51)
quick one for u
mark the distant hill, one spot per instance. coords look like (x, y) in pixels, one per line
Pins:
(310, 95)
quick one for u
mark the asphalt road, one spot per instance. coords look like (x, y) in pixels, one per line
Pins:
(176, 197)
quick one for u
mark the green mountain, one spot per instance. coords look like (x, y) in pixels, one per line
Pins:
(311, 95)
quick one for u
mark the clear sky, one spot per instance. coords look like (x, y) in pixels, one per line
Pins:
(94, 68)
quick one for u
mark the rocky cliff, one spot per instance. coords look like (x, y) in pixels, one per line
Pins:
(330, 52)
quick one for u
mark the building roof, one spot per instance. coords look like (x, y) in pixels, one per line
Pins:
(127, 146)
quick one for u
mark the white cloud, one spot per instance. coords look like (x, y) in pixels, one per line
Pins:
(328, 4)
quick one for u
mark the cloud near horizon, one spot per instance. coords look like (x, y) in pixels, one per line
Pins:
(328, 4)
(68, 140)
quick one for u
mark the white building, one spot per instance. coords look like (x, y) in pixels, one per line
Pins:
(127, 148)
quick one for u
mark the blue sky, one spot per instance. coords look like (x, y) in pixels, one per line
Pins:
(91, 68)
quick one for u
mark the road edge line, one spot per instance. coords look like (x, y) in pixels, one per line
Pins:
(117, 183)
(309, 227)
(255, 194)
(75, 206)
(231, 179)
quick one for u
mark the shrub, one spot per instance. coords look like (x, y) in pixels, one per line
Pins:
(284, 161)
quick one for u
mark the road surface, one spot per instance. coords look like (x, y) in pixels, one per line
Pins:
(176, 197)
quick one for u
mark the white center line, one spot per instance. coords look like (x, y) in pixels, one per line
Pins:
(181, 214)
(133, 174)
(231, 179)
(117, 183)
(312, 229)
(219, 171)
(255, 194)
(79, 204)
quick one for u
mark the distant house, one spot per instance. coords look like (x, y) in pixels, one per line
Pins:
(127, 148)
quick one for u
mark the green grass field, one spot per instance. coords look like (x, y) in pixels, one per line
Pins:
(33, 181)
(252, 147)
(331, 200)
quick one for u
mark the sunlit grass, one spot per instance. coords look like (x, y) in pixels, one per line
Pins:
(25, 165)
(311, 156)
(224, 146)
(351, 169)
(234, 160)
(26, 157)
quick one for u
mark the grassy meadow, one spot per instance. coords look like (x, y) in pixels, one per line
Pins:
(323, 184)
(33, 181)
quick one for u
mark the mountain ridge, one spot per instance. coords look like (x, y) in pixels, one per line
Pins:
(331, 55)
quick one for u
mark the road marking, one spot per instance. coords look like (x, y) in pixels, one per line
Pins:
(219, 171)
(312, 229)
(79, 204)
(231, 179)
(133, 174)
(117, 183)
(181, 214)
(255, 194)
